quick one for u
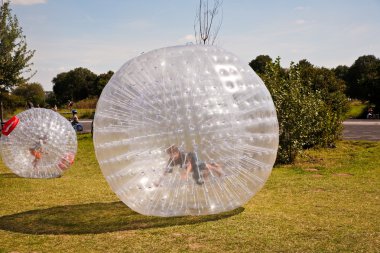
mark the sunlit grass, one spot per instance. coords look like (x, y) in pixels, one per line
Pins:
(356, 109)
(327, 202)
(82, 113)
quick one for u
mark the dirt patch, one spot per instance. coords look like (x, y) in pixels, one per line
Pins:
(343, 175)
(195, 246)
(311, 169)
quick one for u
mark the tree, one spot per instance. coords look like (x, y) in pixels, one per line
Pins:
(259, 63)
(205, 18)
(341, 72)
(363, 79)
(51, 99)
(74, 85)
(100, 82)
(325, 82)
(15, 57)
(31, 93)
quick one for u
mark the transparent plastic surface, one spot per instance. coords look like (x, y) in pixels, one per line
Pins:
(186, 130)
(42, 145)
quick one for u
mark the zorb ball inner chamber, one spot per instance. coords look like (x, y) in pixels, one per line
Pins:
(186, 130)
(38, 143)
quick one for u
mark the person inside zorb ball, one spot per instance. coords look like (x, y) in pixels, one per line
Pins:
(185, 130)
(38, 143)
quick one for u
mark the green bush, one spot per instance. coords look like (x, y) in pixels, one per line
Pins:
(309, 111)
(88, 103)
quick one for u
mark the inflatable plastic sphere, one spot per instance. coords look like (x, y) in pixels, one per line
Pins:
(186, 130)
(38, 143)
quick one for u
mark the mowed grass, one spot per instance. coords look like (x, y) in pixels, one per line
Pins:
(327, 202)
(356, 109)
(82, 113)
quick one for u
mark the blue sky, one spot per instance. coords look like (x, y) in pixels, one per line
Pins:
(102, 35)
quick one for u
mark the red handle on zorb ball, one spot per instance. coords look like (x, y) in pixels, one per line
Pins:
(10, 125)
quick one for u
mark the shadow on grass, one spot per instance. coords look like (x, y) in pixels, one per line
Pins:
(9, 175)
(94, 218)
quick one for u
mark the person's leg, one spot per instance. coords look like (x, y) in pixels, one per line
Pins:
(198, 173)
(214, 167)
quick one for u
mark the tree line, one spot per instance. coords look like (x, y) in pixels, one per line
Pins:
(77, 84)
(361, 79)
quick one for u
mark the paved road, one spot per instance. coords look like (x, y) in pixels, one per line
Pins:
(356, 129)
(353, 129)
(86, 123)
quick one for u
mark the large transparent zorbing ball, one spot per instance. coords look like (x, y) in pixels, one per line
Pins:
(38, 143)
(186, 130)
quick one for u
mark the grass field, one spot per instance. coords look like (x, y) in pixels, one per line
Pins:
(82, 113)
(357, 109)
(329, 201)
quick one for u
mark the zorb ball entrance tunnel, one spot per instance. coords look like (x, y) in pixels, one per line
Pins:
(38, 143)
(185, 130)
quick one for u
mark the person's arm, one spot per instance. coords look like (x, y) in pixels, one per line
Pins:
(168, 165)
(189, 168)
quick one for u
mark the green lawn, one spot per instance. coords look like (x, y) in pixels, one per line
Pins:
(82, 113)
(329, 201)
(357, 109)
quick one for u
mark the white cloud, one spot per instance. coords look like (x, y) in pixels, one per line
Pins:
(186, 39)
(28, 2)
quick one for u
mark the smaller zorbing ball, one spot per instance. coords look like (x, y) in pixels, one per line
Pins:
(38, 143)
